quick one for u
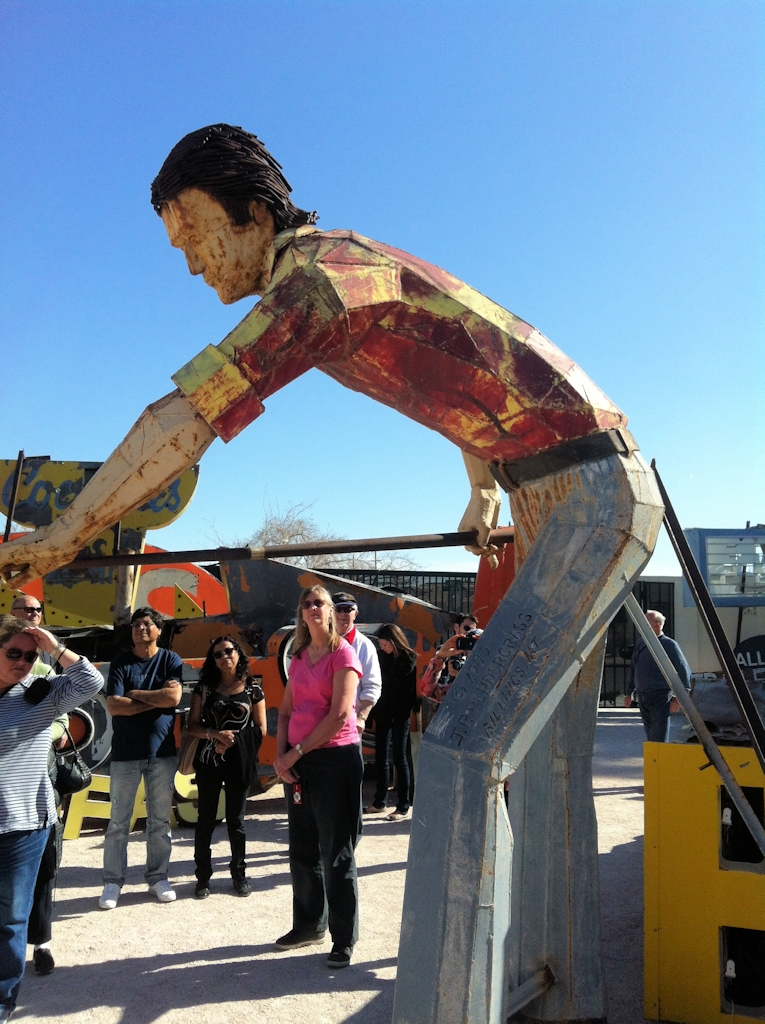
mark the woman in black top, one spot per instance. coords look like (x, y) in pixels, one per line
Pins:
(228, 713)
(391, 713)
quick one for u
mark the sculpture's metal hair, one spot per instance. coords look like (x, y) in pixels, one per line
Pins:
(232, 166)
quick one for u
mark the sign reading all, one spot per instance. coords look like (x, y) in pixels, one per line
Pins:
(750, 654)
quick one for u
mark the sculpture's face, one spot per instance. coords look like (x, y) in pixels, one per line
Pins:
(234, 260)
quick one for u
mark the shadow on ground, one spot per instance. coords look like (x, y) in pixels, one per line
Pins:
(231, 974)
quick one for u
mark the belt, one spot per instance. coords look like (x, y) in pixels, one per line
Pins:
(512, 475)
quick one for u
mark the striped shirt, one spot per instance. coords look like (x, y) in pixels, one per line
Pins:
(26, 795)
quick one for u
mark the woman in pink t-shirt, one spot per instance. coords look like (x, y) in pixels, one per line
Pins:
(319, 761)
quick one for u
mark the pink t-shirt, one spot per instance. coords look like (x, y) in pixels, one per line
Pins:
(312, 694)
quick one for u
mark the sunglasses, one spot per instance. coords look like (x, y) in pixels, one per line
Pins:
(222, 654)
(27, 608)
(317, 602)
(14, 654)
(345, 609)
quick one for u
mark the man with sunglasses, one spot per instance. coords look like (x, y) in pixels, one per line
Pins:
(30, 609)
(25, 606)
(370, 684)
(143, 691)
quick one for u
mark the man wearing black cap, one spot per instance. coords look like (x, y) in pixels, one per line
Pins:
(370, 683)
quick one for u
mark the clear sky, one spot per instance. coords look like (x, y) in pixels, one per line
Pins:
(595, 167)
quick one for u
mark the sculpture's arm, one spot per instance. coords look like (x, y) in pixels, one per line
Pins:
(482, 512)
(168, 438)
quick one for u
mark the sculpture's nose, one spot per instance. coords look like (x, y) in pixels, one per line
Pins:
(195, 264)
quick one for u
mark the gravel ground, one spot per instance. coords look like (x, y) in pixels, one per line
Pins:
(213, 961)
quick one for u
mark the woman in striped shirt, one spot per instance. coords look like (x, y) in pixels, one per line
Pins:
(28, 706)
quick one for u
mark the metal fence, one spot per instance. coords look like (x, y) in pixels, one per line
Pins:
(452, 591)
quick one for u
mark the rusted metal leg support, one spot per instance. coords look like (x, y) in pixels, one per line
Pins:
(595, 529)
(555, 908)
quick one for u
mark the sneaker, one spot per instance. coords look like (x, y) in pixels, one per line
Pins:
(201, 891)
(242, 887)
(162, 891)
(373, 809)
(109, 896)
(43, 961)
(340, 956)
(294, 940)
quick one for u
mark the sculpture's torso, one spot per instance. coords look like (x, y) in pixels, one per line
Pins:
(407, 334)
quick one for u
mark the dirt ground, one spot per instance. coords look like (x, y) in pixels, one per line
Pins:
(213, 961)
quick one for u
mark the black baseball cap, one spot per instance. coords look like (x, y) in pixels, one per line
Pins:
(344, 601)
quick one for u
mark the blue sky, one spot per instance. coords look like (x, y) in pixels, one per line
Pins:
(596, 167)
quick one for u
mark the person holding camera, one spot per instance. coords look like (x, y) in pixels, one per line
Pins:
(392, 713)
(446, 663)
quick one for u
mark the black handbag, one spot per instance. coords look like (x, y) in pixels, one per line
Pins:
(72, 774)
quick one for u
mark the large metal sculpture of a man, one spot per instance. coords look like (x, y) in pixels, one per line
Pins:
(493, 893)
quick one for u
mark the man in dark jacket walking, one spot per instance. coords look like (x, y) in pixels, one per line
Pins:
(653, 692)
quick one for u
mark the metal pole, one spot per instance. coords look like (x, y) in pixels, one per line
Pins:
(731, 668)
(529, 990)
(697, 722)
(14, 495)
(330, 547)
(123, 593)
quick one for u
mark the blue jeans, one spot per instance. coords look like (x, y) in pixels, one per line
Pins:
(654, 710)
(20, 856)
(159, 776)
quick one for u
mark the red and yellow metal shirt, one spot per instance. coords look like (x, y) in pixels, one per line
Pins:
(407, 334)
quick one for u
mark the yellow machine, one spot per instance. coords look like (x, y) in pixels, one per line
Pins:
(704, 889)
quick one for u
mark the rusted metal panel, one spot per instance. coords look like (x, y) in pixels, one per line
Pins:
(409, 335)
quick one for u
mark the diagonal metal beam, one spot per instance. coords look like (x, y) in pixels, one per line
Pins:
(706, 739)
(530, 990)
(731, 668)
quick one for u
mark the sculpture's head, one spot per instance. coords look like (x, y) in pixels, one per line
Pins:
(222, 198)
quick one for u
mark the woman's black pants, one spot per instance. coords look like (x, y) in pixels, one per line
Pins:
(39, 927)
(323, 810)
(384, 728)
(209, 782)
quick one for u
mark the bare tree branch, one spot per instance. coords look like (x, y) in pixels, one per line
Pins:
(296, 526)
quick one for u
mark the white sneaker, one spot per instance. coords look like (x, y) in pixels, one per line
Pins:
(162, 891)
(109, 897)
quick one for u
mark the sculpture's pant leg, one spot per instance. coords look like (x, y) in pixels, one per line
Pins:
(555, 916)
(595, 529)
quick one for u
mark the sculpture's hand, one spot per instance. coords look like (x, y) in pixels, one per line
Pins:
(482, 512)
(35, 554)
(481, 515)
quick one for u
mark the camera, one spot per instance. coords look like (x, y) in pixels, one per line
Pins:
(467, 642)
